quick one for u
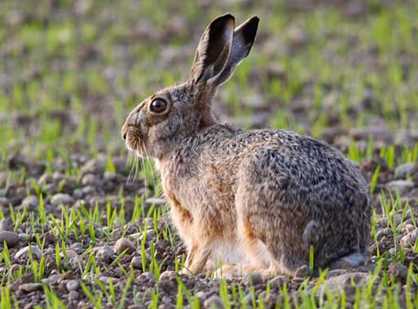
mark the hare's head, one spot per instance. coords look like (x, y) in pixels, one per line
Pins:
(159, 123)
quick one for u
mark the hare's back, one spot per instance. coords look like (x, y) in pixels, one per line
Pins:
(306, 170)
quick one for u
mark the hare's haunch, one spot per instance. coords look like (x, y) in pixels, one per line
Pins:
(266, 199)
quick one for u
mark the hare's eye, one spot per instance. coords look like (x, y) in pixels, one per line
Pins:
(158, 106)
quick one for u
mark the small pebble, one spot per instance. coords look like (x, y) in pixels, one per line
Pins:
(398, 271)
(136, 262)
(30, 287)
(214, 302)
(124, 244)
(409, 239)
(404, 170)
(89, 180)
(11, 238)
(72, 285)
(25, 252)
(401, 186)
(30, 202)
(61, 199)
(6, 224)
(104, 253)
(73, 295)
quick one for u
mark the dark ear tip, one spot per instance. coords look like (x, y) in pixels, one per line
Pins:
(224, 17)
(254, 21)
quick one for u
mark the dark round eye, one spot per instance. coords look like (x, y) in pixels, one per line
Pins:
(158, 106)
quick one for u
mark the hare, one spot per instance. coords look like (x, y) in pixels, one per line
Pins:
(265, 200)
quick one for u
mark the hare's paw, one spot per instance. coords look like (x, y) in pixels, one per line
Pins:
(229, 271)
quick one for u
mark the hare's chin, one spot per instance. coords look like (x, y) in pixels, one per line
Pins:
(136, 150)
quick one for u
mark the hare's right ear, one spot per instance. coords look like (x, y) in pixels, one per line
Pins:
(213, 51)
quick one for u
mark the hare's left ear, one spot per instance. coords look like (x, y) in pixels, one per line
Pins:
(243, 39)
(213, 51)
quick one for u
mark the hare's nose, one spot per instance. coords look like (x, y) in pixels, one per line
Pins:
(124, 131)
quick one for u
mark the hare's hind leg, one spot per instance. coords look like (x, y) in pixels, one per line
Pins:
(270, 224)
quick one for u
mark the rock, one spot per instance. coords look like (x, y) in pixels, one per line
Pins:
(73, 295)
(94, 166)
(404, 170)
(341, 282)
(30, 202)
(409, 239)
(407, 228)
(52, 279)
(124, 244)
(398, 271)
(136, 262)
(6, 224)
(61, 199)
(214, 302)
(4, 202)
(104, 253)
(30, 287)
(401, 186)
(25, 252)
(11, 238)
(385, 232)
(110, 176)
(72, 285)
(168, 281)
(89, 180)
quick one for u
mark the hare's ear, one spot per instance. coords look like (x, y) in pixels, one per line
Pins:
(243, 39)
(213, 51)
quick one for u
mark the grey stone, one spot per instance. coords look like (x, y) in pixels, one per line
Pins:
(104, 253)
(214, 302)
(30, 287)
(73, 295)
(409, 239)
(404, 170)
(30, 202)
(124, 244)
(401, 186)
(11, 238)
(398, 270)
(61, 199)
(72, 285)
(136, 262)
(6, 224)
(89, 180)
(340, 282)
(25, 251)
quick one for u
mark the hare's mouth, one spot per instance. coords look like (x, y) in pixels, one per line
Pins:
(134, 141)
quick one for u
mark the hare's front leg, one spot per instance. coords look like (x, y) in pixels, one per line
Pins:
(197, 257)
(198, 250)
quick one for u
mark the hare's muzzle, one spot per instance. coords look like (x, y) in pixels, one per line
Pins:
(132, 136)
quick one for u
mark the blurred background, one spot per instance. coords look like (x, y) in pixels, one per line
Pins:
(70, 71)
